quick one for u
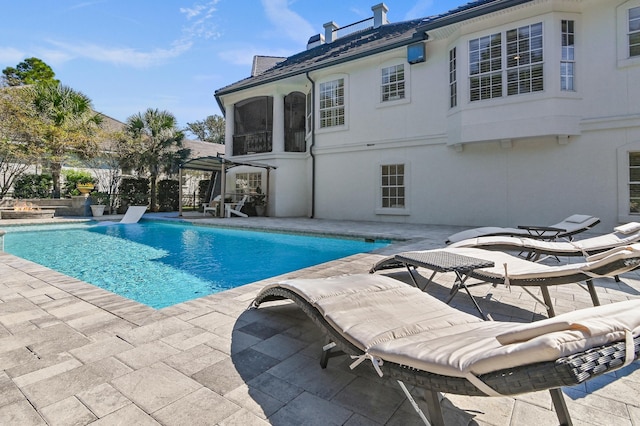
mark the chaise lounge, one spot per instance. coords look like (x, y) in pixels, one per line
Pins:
(502, 268)
(416, 339)
(622, 235)
(566, 229)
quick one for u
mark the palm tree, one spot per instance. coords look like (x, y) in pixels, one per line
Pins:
(68, 125)
(157, 146)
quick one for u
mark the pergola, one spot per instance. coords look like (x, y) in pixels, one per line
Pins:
(221, 165)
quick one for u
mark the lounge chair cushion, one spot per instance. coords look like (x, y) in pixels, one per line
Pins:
(518, 268)
(571, 225)
(628, 228)
(588, 245)
(577, 218)
(399, 323)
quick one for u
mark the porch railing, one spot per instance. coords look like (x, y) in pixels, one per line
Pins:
(252, 143)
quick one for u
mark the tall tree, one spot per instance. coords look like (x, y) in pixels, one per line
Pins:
(17, 129)
(29, 71)
(69, 125)
(211, 129)
(155, 146)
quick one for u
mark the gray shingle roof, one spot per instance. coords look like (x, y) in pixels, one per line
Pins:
(367, 42)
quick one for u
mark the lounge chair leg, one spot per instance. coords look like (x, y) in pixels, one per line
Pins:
(435, 410)
(547, 301)
(592, 293)
(561, 407)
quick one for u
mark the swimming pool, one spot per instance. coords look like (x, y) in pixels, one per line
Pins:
(161, 264)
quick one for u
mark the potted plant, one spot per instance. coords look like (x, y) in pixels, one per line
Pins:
(259, 202)
(99, 201)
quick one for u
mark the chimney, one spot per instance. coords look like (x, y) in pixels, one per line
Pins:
(329, 30)
(379, 15)
(314, 41)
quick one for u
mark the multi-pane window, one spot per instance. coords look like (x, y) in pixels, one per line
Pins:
(247, 183)
(567, 62)
(524, 59)
(634, 182)
(453, 79)
(309, 112)
(485, 67)
(634, 31)
(332, 103)
(522, 70)
(393, 189)
(393, 83)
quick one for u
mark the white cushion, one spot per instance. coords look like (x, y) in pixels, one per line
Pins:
(628, 228)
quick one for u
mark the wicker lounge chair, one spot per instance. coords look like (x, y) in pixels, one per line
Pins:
(515, 271)
(623, 235)
(566, 229)
(416, 339)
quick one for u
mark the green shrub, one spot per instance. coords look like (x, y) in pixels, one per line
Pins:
(168, 195)
(73, 178)
(33, 186)
(133, 192)
(98, 198)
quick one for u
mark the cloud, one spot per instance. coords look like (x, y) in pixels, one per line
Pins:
(10, 55)
(122, 55)
(244, 55)
(199, 17)
(419, 10)
(287, 22)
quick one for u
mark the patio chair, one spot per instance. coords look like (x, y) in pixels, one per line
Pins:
(512, 270)
(566, 229)
(416, 339)
(534, 248)
(236, 210)
(212, 206)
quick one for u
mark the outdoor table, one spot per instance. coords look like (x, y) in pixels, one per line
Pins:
(444, 261)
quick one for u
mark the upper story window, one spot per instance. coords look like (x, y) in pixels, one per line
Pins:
(453, 79)
(485, 67)
(393, 87)
(634, 31)
(309, 112)
(522, 69)
(524, 59)
(332, 103)
(567, 61)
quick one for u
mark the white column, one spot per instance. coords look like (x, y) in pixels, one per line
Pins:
(278, 123)
(229, 126)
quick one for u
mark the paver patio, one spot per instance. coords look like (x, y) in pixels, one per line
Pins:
(74, 354)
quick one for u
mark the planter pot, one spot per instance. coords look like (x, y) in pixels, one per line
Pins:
(97, 210)
(260, 210)
(85, 188)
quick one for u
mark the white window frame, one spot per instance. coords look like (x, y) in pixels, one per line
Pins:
(490, 67)
(622, 39)
(392, 185)
(393, 211)
(336, 89)
(309, 115)
(624, 182)
(567, 55)
(453, 77)
(393, 83)
(252, 180)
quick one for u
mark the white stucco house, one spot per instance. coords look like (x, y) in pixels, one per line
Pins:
(500, 112)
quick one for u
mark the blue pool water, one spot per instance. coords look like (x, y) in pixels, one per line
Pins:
(161, 264)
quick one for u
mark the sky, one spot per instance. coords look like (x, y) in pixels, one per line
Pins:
(131, 55)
